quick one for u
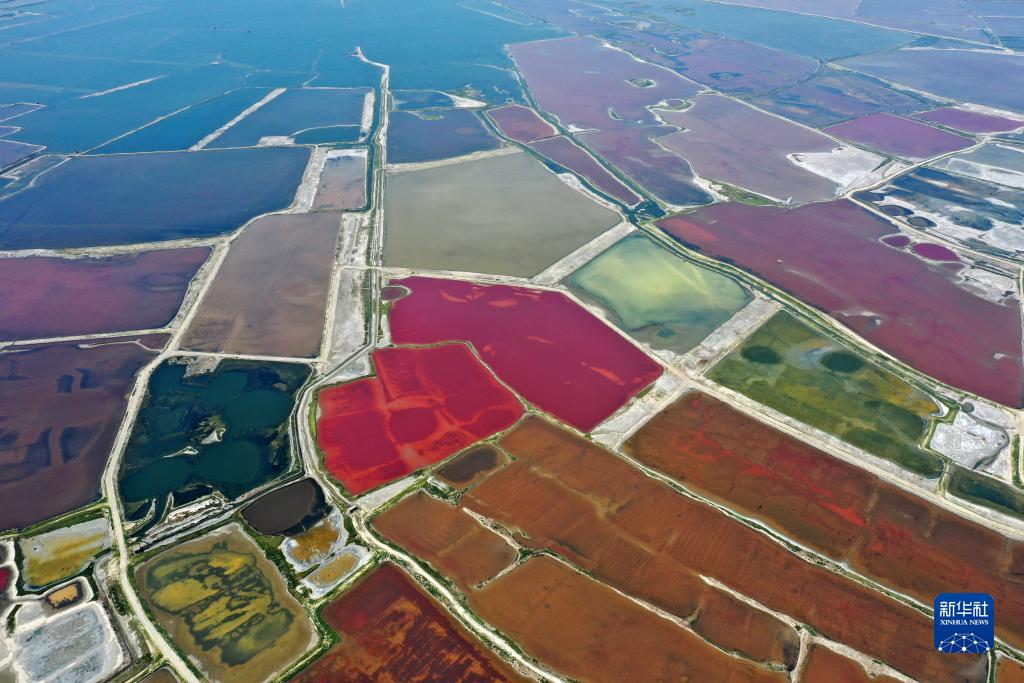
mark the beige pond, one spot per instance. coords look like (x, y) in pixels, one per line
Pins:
(226, 606)
(505, 215)
(60, 554)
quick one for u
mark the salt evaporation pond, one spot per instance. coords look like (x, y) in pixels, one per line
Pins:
(125, 199)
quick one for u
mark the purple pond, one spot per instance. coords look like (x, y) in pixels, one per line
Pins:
(899, 136)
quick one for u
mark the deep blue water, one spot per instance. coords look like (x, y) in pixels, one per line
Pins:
(200, 50)
(125, 199)
(184, 129)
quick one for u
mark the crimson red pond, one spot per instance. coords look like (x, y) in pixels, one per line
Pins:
(546, 347)
(424, 405)
(830, 256)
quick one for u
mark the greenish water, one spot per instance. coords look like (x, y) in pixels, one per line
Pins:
(244, 404)
(505, 215)
(656, 296)
(986, 491)
(790, 367)
(761, 354)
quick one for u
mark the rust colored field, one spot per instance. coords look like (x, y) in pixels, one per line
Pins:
(825, 666)
(562, 518)
(47, 297)
(520, 123)
(822, 502)
(588, 631)
(754, 469)
(467, 468)
(454, 542)
(60, 407)
(1009, 671)
(924, 550)
(270, 294)
(579, 476)
(424, 405)
(392, 631)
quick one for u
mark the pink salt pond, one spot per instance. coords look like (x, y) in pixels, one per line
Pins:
(898, 241)
(521, 123)
(970, 121)
(898, 136)
(934, 252)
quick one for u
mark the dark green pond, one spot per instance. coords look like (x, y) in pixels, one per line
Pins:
(235, 419)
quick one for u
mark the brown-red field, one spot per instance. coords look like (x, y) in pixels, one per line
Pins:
(739, 462)
(591, 495)
(270, 294)
(392, 631)
(449, 538)
(895, 537)
(60, 407)
(550, 513)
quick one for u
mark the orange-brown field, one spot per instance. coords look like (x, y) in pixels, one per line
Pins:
(449, 538)
(588, 631)
(1009, 671)
(393, 631)
(634, 510)
(733, 459)
(552, 514)
(890, 535)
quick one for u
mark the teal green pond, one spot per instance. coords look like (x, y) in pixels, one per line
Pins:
(224, 430)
